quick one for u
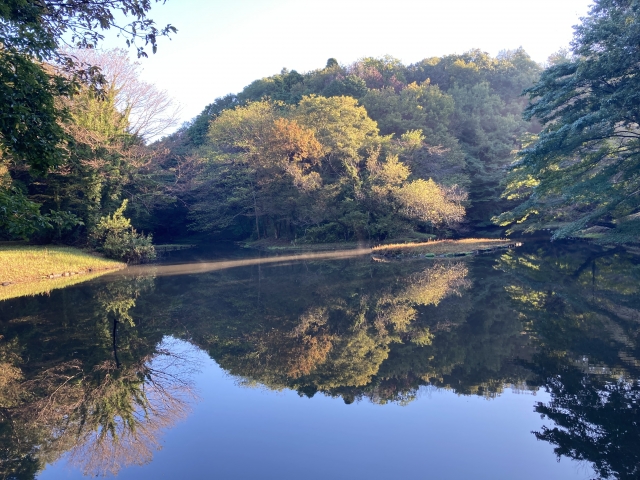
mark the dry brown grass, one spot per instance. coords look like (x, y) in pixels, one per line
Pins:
(442, 247)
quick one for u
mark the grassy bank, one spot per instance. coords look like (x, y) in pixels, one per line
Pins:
(28, 263)
(465, 246)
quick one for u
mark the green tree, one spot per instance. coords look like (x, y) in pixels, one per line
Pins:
(416, 107)
(466, 108)
(106, 158)
(319, 167)
(30, 123)
(100, 163)
(267, 163)
(19, 217)
(486, 119)
(115, 236)
(32, 33)
(580, 176)
(595, 419)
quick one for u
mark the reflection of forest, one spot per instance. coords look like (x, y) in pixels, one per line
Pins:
(582, 308)
(87, 382)
(100, 379)
(358, 329)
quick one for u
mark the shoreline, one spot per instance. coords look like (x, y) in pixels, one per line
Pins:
(430, 249)
(444, 248)
(33, 270)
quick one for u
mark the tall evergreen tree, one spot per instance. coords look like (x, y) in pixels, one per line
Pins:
(581, 176)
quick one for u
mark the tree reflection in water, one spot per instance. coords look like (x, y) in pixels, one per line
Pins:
(105, 419)
(121, 423)
(581, 306)
(596, 417)
(329, 334)
(103, 416)
(102, 378)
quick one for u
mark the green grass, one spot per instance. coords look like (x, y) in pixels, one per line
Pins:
(442, 247)
(27, 263)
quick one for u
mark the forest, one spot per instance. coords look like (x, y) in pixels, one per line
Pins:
(366, 182)
(370, 151)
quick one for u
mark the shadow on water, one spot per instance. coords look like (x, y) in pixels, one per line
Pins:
(96, 372)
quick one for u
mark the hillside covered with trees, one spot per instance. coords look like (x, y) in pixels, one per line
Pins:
(368, 151)
(431, 141)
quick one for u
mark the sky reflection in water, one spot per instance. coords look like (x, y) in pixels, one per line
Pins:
(330, 366)
(239, 433)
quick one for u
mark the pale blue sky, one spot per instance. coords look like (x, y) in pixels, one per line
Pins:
(223, 45)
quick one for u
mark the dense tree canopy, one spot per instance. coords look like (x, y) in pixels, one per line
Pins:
(581, 175)
(105, 161)
(452, 122)
(320, 166)
(365, 150)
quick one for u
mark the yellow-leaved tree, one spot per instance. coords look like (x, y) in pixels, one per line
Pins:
(319, 169)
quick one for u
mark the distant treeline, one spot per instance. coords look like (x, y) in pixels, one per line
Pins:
(368, 151)
(371, 150)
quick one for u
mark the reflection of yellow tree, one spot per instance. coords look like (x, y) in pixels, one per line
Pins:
(354, 359)
(312, 343)
(428, 287)
(277, 354)
(357, 358)
(434, 284)
(344, 342)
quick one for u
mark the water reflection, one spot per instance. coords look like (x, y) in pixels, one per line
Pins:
(581, 308)
(96, 373)
(596, 418)
(191, 268)
(70, 386)
(330, 336)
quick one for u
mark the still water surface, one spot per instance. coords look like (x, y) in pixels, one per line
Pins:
(225, 365)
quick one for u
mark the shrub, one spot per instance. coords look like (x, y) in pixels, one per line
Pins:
(116, 238)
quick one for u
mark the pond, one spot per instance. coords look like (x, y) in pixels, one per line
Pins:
(232, 364)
